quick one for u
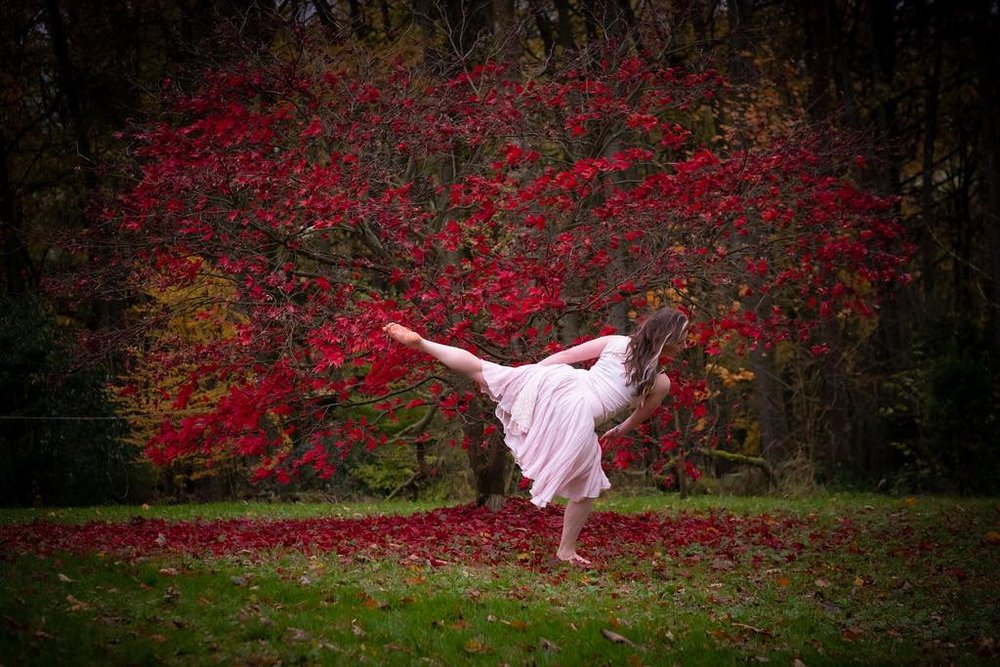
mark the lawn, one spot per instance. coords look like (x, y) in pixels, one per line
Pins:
(831, 579)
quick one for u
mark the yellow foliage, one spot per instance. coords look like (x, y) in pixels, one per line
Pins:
(196, 314)
(730, 378)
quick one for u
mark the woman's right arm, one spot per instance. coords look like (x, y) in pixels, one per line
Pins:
(652, 400)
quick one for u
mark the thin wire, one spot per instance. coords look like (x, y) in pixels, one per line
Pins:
(56, 418)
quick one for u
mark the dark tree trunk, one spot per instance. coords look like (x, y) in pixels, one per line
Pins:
(987, 56)
(819, 22)
(487, 455)
(357, 19)
(836, 400)
(565, 25)
(742, 69)
(19, 275)
(769, 404)
(544, 26)
(67, 82)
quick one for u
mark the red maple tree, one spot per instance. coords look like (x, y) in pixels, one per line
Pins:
(506, 213)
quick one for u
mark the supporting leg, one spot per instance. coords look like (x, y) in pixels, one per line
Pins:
(461, 361)
(576, 515)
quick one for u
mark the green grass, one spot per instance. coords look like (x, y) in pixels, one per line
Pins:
(916, 584)
(211, 511)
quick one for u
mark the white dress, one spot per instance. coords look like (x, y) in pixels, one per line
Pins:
(549, 415)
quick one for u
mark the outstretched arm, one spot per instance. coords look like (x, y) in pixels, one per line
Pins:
(659, 391)
(589, 350)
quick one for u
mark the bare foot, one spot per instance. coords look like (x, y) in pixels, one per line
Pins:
(401, 334)
(575, 559)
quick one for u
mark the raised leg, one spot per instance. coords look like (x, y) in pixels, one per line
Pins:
(461, 361)
(576, 515)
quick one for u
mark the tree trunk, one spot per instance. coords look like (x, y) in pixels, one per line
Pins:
(565, 27)
(487, 455)
(742, 69)
(770, 408)
(836, 399)
(67, 81)
(544, 26)
(819, 56)
(19, 275)
(989, 97)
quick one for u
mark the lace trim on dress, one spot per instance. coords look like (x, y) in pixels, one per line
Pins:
(523, 410)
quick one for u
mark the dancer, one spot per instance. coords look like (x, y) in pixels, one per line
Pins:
(549, 410)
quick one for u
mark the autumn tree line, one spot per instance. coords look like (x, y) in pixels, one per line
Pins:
(208, 208)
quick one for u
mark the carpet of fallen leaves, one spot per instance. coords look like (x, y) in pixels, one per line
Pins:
(518, 533)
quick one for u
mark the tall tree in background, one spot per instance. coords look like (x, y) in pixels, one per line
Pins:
(488, 208)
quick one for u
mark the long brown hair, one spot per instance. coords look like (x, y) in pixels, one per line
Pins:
(664, 327)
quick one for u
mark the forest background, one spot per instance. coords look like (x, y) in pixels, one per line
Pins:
(103, 367)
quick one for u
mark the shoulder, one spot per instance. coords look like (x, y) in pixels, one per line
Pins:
(661, 385)
(617, 343)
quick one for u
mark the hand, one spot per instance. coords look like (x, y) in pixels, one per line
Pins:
(613, 432)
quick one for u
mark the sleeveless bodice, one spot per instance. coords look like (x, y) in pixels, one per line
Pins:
(606, 381)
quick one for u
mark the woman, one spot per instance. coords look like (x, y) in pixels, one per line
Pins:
(550, 410)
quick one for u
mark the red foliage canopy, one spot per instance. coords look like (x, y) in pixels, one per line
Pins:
(490, 210)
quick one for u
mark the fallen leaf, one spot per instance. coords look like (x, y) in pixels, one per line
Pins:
(76, 605)
(859, 582)
(171, 594)
(64, 578)
(993, 537)
(239, 580)
(822, 583)
(784, 582)
(372, 603)
(474, 646)
(798, 663)
(168, 571)
(615, 637)
(751, 628)
(114, 620)
(549, 647)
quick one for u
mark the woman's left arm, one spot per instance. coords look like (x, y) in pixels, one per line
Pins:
(589, 350)
(659, 391)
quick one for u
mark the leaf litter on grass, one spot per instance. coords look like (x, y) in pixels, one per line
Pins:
(755, 585)
(455, 535)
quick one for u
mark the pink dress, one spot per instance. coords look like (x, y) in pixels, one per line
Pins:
(549, 415)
